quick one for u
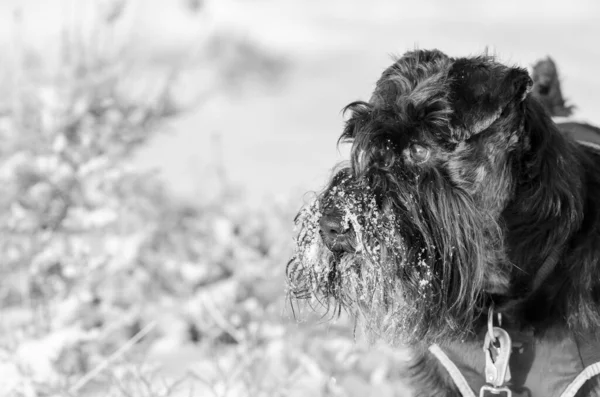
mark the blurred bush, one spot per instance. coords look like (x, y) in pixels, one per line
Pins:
(92, 249)
(105, 274)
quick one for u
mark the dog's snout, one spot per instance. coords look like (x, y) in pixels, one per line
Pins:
(335, 234)
(331, 225)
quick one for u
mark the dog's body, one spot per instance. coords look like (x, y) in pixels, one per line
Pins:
(461, 196)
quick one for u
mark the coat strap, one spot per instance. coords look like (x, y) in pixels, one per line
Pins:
(588, 373)
(455, 374)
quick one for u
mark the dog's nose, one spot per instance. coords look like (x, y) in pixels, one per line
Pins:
(334, 233)
(331, 225)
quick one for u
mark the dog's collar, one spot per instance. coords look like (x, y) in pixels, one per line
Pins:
(546, 268)
(505, 303)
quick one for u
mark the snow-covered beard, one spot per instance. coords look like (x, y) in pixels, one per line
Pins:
(391, 276)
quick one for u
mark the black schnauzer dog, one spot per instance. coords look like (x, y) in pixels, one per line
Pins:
(466, 227)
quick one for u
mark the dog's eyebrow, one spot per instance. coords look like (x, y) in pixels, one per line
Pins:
(358, 107)
(360, 110)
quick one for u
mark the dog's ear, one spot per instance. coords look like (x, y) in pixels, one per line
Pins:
(480, 90)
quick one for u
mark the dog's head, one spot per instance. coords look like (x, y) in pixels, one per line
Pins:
(410, 234)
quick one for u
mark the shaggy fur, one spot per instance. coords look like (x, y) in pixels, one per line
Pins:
(459, 187)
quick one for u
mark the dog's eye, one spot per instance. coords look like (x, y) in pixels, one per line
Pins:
(419, 153)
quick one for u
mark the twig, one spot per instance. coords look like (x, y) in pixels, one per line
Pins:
(102, 366)
(203, 381)
(220, 320)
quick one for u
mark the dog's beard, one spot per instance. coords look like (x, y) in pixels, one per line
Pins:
(406, 282)
(374, 281)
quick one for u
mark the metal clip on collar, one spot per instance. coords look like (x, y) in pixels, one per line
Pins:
(497, 348)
